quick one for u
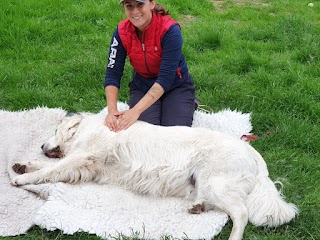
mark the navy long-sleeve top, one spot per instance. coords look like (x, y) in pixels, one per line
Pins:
(172, 58)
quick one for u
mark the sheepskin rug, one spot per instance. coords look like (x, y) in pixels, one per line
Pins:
(106, 211)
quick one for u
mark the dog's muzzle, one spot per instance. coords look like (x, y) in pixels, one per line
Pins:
(52, 153)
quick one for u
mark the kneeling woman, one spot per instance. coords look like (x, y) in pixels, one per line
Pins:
(162, 91)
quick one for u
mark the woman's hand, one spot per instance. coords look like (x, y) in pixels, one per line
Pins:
(129, 117)
(111, 121)
(126, 118)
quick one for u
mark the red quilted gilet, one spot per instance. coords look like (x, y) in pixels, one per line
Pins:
(145, 55)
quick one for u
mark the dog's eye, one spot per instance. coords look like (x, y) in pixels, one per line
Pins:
(73, 134)
(72, 130)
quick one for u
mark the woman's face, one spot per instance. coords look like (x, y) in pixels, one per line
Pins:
(139, 13)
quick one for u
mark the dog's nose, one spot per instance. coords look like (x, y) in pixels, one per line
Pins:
(56, 149)
(42, 146)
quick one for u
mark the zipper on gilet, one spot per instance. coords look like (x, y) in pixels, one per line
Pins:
(144, 52)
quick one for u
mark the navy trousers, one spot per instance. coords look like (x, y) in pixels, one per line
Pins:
(175, 107)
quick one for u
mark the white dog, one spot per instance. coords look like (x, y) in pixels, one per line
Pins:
(211, 169)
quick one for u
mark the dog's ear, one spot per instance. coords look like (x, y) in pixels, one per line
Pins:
(70, 114)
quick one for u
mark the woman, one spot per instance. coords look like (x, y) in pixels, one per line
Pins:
(162, 91)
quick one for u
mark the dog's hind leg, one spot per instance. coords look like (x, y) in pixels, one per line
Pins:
(72, 169)
(238, 213)
(221, 193)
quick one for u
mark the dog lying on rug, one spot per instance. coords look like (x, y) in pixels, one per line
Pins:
(212, 169)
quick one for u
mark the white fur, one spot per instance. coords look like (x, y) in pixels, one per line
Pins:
(162, 161)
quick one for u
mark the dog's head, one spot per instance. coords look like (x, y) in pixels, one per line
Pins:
(57, 145)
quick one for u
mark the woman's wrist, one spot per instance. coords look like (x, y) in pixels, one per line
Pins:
(137, 109)
(112, 110)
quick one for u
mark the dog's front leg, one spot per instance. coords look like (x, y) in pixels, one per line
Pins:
(31, 166)
(71, 169)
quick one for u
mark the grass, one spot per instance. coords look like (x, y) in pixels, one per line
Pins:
(254, 56)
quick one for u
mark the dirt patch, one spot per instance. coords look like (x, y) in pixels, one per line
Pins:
(252, 2)
(186, 19)
(219, 4)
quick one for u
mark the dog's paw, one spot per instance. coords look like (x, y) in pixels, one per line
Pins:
(196, 208)
(18, 168)
(19, 180)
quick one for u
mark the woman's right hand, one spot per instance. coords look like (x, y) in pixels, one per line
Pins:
(111, 121)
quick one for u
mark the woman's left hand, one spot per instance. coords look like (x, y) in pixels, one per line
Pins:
(126, 118)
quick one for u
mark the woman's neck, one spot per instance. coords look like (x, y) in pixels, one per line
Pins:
(139, 33)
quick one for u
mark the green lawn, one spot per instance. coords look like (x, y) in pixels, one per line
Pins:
(253, 56)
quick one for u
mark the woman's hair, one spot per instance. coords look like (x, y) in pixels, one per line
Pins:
(160, 9)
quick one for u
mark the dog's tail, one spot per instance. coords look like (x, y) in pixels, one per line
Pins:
(266, 205)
